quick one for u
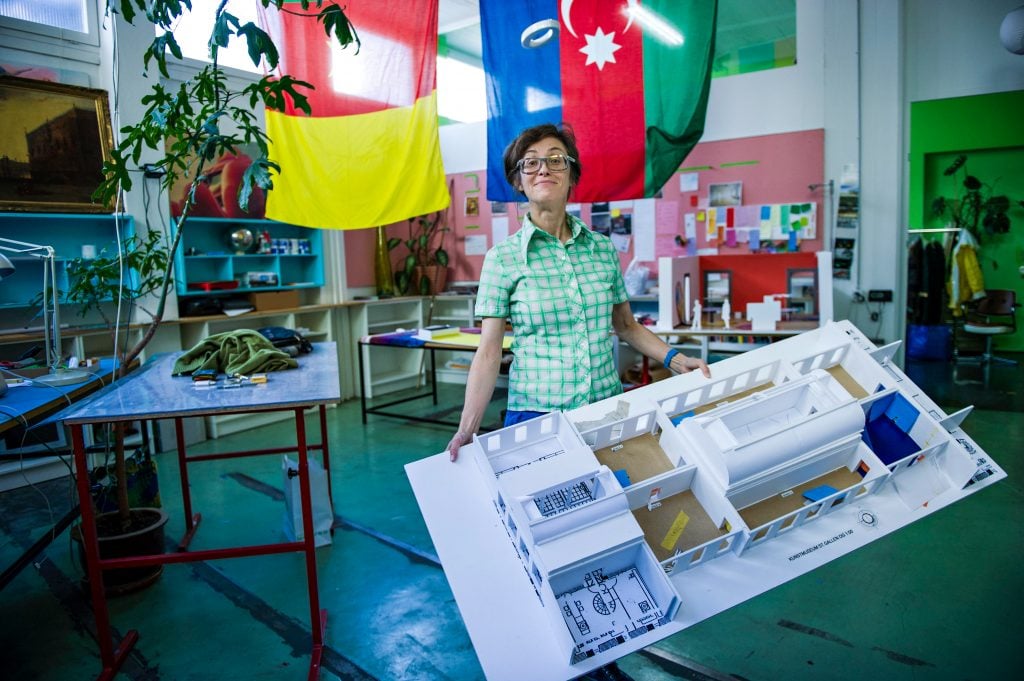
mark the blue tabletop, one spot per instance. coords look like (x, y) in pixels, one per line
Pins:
(152, 392)
(34, 399)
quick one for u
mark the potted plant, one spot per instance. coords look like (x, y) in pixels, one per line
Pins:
(425, 268)
(974, 206)
(188, 128)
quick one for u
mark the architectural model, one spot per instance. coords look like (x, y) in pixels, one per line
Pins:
(605, 514)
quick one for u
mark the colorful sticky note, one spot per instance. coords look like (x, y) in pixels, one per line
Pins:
(794, 241)
(730, 217)
(693, 200)
(730, 237)
(755, 239)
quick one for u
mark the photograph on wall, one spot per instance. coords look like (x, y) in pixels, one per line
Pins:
(472, 205)
(725, 194)
(842, 258)
(622, 224)
(601, 223)
(53, 142)
(217, 196)
(499, 208)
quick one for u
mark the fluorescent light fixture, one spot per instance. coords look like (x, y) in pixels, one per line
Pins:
(654, 24)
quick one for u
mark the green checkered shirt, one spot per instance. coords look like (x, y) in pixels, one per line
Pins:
(559, 299)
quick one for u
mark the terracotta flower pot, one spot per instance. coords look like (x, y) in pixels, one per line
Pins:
(144, 537)
(436, 275)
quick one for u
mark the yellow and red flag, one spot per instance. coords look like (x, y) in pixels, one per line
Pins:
(369, 154)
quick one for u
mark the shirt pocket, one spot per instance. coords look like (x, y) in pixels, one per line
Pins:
(597, 286)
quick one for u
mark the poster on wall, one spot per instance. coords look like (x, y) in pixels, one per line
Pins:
(217, 196)
(725, 194)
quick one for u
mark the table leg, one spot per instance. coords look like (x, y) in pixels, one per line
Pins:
(309, 540)
(325, 453)
(360, 348)
(109, 657)
(191, 521)
(433, 375)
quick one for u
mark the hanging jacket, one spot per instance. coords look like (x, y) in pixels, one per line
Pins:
(933, 283)
(966, 281)
(915, 281)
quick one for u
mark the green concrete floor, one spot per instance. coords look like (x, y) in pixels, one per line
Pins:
(939, 599)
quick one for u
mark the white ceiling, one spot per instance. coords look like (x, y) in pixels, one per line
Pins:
(459, 22)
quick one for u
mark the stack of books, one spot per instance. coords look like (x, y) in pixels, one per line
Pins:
(437, 332)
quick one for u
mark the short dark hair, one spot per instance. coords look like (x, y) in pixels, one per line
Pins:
(562, 132)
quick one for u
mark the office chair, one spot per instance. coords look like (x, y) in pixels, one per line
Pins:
(993, 315)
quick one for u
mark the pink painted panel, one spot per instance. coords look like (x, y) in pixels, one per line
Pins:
(785, 165)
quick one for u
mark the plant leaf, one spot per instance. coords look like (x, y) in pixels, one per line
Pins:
(259, 45)
(957, 163)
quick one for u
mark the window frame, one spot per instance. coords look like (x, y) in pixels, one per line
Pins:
(53, 34)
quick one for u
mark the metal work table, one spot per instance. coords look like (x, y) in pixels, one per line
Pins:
(408, 341)
(152, 393)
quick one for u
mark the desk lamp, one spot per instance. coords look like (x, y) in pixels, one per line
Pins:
(51, 320)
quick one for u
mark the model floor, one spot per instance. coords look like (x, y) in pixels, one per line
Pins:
(939, 599)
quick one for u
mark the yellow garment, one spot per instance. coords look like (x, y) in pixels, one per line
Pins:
(966, 281)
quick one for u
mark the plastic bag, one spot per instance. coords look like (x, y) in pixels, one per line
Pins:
(323, 514)
(636, 278)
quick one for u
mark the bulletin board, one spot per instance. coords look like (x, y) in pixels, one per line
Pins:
(763, 183)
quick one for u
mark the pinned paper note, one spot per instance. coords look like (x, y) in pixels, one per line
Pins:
(690, 226)
(689, 182)
(499, 229)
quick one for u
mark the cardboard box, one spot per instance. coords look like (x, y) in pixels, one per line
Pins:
(274, 300)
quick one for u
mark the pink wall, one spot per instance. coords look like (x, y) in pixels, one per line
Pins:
(775, 169)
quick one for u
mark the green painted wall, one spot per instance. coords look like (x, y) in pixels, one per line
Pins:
(989, 129)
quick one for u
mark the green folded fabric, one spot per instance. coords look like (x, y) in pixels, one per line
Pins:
(234, 352)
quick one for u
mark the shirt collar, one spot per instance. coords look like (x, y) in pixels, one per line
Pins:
(580, 234)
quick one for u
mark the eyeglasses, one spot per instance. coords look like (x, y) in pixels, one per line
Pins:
(556, 163)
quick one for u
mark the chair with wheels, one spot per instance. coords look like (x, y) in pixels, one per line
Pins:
(993, 315)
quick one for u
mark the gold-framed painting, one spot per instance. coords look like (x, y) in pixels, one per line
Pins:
(53, 141)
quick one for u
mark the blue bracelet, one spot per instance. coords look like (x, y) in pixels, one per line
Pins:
(668, 357)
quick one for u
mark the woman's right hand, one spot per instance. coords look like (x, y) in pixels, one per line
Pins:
(460, 438)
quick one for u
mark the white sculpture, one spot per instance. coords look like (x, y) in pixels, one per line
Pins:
(726, 312)
(696, 316)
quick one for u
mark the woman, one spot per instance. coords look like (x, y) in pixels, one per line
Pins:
(561, 286)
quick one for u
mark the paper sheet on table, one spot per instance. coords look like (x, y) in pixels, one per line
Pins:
(239, 311)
